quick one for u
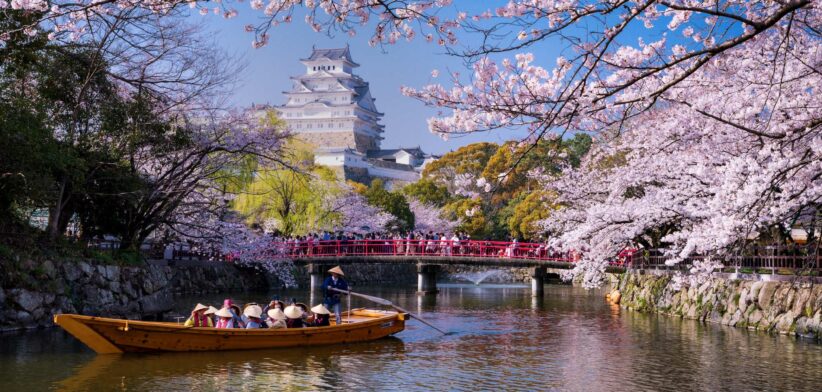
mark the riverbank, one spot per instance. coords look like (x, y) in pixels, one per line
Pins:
(790, 308)
(34, 289)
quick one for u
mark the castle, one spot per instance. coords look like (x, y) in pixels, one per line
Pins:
(332, 109)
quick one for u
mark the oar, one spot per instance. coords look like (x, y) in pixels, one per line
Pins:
(383, 301)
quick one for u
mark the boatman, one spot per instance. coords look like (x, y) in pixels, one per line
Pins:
(332, 298)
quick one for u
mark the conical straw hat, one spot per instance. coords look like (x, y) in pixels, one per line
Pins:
(211, 310)
(253, 311)
(276, 314)
(224, 312)
(200, 307)
(320, 309)
(336, 270)
(293, 312)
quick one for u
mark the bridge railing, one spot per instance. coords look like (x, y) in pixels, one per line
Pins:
(423, 248)
(734, 263)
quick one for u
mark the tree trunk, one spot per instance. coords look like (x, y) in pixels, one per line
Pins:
(56, 211)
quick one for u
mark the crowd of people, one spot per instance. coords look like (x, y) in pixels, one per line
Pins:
(276, 314)
(411, 243)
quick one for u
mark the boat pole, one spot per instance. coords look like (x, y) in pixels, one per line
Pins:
(383, 301)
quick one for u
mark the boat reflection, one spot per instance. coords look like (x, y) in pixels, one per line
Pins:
(298, 368)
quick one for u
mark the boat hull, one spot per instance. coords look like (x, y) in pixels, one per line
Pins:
(113, 336)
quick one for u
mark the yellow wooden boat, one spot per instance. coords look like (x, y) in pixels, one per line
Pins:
(114, 336)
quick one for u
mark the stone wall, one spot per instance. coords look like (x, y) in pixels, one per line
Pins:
(781, 307)
(368, 274)
(40, 289)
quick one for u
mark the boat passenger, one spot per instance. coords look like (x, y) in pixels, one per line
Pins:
(242, 314)
(322, 317)
(274, 304)
(198, 317)
(211, 312)
(276, 319)
(235, 313)
(293, 316)
(332, 298)
(306, 314)
(225, 318)
(253, 313)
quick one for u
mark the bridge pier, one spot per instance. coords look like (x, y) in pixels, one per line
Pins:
(427, 278)
(537, 281)
(316, 273)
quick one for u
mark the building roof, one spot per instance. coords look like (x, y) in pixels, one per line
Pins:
(331, 54)
(380, 154)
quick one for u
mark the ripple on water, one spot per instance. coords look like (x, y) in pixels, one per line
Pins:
(501, 339)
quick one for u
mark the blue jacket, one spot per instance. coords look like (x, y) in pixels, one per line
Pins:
(332, 297)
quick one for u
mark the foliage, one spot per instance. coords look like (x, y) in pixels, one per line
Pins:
(392, 202)
(466, 160)
(290, 198)
(428, 192)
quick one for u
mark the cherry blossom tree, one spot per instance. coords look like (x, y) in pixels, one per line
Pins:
(428, 217)
(355, 215)
(188, 185)
(706, 113)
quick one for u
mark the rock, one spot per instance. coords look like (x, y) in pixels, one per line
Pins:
(755, 317)
(28, 300)
(112, 272)
(755, 288)
(87, 269)
(23, 318)
(71, 272)
(785, 323)
(766, 294)
(158, 302)
(49, 269)
(808, 327)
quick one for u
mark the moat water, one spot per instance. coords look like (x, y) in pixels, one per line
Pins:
(501, 339)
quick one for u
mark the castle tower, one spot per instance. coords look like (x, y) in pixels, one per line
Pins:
(331, 107)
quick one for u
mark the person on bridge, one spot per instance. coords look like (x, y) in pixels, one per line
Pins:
(332, 298)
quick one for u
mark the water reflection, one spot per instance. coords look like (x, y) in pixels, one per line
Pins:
(502, 339)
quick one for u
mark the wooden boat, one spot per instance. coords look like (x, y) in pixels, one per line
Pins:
(114, 336)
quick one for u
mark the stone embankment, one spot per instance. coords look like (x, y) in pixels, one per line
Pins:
(792, 308)
(33, 291)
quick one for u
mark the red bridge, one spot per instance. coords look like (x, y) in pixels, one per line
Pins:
(429, 254)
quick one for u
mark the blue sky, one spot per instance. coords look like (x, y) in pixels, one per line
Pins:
(386, 68)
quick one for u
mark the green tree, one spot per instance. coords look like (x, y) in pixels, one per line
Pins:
(293, 198)
(470, 159)
(428, 192)
(393, 203)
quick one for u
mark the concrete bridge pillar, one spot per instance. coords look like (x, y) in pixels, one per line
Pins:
(427, 278)
(537, 281)
(316, 273)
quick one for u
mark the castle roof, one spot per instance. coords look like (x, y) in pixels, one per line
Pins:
(331, 54)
